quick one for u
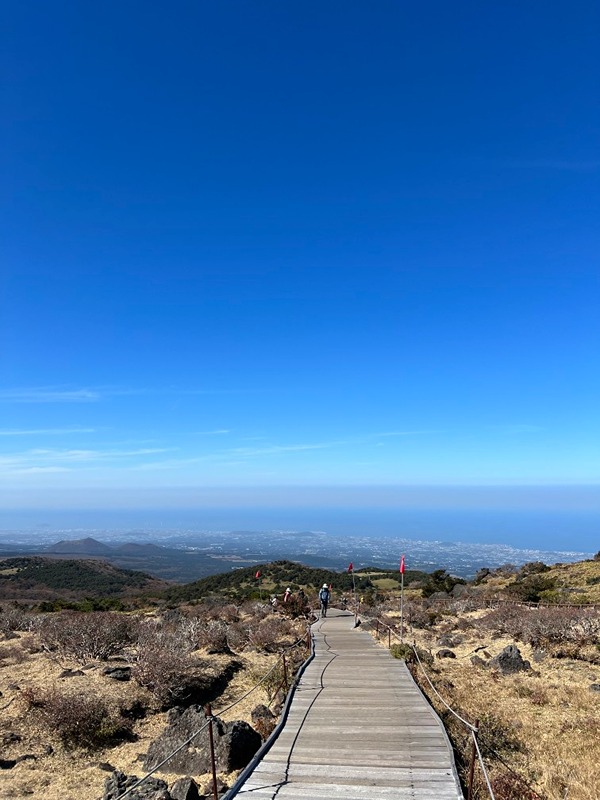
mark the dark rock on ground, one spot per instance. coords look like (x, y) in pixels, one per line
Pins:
(151, 789)
(595, 687)
(447, 640)
(478, 662)
(260, 713)
(264, 720)
(185, 789)
(445, 653)
(71, 673)
(510, 661)
(235, 744)
(122, 673)
(7, 763)
(105, 766)
(222, 650)
(199, 688)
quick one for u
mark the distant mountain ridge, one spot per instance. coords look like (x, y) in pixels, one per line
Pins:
(80, 547)
(92, 547)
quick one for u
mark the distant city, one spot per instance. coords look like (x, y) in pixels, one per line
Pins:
(186, 555)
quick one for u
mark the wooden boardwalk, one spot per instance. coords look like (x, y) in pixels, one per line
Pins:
(358, 728)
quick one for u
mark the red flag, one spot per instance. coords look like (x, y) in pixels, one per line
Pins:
(257, 575)
(350, 567)
(402, 565)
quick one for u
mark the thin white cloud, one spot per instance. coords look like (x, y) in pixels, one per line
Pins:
(49, 395)
(45, 431)
(218, 432)
(40, 470)
(50, 460)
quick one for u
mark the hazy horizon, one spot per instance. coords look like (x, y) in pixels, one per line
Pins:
(560, 531)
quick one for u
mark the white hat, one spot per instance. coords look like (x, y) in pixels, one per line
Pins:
(325, 586)
(288, 589)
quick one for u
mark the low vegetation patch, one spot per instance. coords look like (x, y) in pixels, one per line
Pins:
(79, 720)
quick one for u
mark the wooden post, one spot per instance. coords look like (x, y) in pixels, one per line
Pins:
(285, 677)
(209, 717)
(472, 765)
(377, 627)
(389, 638)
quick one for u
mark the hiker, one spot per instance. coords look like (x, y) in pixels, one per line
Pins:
(274, 602)
(324, 598)
(287, 595)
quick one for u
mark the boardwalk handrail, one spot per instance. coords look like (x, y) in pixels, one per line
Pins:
(301, 640)
(266, 746)
(473, 729)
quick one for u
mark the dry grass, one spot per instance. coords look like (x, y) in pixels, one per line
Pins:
(68, 773)
(544, 723)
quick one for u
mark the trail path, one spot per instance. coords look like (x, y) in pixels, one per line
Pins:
(358, 728)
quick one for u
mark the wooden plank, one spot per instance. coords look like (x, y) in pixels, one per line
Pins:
(358, 728)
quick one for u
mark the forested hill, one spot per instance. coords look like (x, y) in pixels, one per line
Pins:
(276, 576)
(38, 579)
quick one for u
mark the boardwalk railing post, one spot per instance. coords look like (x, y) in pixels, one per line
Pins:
(472, 765)
(209, 717)
(285, 676)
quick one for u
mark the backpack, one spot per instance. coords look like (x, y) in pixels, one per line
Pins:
(324, 595)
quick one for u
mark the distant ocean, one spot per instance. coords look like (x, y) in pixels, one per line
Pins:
(564, 531)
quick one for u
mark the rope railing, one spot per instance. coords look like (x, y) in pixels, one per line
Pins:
(210, 717)
(539, 603)
(482, 765)
(473, 729)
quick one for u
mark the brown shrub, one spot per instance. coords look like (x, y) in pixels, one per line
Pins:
(84, 721)
(269, 633)
(166, 672)
(14, 618)
(84, 636)
(238, 636)
(14, 653)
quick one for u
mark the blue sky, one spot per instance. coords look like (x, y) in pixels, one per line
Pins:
(311, 245)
